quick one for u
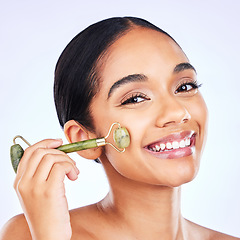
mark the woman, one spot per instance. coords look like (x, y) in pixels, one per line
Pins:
(129, 71)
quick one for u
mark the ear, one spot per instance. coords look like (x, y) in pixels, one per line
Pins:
(75, 132)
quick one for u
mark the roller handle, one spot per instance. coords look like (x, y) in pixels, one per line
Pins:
(16, 151)
(78, 146)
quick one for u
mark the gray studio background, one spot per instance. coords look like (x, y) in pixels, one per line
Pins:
(34, 33)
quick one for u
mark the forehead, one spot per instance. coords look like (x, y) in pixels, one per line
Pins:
(140, 51)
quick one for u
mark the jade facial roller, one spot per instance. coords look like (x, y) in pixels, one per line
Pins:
(120, 136)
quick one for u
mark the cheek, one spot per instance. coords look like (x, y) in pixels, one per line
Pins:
(124, 164)
(199, 114)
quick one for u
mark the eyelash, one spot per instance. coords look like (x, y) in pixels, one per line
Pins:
(130, 100)
(194, 85)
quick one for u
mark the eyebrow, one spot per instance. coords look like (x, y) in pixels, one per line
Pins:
(183, 66)
(142, 78)
(125, 80)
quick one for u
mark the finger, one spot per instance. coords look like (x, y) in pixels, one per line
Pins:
(48, 161)
(43, 154)
(45, 144)
(37, 156)
(58, 173)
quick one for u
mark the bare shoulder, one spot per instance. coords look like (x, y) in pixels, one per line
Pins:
(208, 234)
(84, 221)
(16, 228)
(221, 236)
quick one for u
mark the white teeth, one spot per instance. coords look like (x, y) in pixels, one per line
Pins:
(175, 145)
(182, 144)
(162, 146)
(169, 145)
(187, 142)
(157, 147)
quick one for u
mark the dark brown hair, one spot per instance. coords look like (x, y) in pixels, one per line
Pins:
(76, 77)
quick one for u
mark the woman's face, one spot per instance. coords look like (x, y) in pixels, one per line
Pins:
(148, 86)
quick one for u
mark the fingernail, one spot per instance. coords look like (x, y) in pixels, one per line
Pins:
(77, 170)
(55, 143)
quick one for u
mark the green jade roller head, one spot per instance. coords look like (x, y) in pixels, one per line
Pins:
(121, 138)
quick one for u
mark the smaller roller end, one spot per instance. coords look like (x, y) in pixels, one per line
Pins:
(121, 137)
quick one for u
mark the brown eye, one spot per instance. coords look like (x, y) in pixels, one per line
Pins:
(134, 99)
(186, 87)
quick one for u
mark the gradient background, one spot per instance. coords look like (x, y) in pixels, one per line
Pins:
(34, 33)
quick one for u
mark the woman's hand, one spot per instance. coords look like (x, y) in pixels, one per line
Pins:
(40, 187)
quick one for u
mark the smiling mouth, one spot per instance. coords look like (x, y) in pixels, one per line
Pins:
(173, 146)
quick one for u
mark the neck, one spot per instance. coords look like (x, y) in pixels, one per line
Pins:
(145, 210)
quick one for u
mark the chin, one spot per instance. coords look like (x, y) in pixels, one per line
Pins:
(175, 175)
(181, 177)
(172, 180)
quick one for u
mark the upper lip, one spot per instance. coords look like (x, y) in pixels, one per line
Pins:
(172, 137)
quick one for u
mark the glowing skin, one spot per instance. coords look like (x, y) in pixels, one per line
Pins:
(167, 126)
(160, 111)
(145, 67)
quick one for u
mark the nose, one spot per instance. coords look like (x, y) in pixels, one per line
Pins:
(172, 111)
